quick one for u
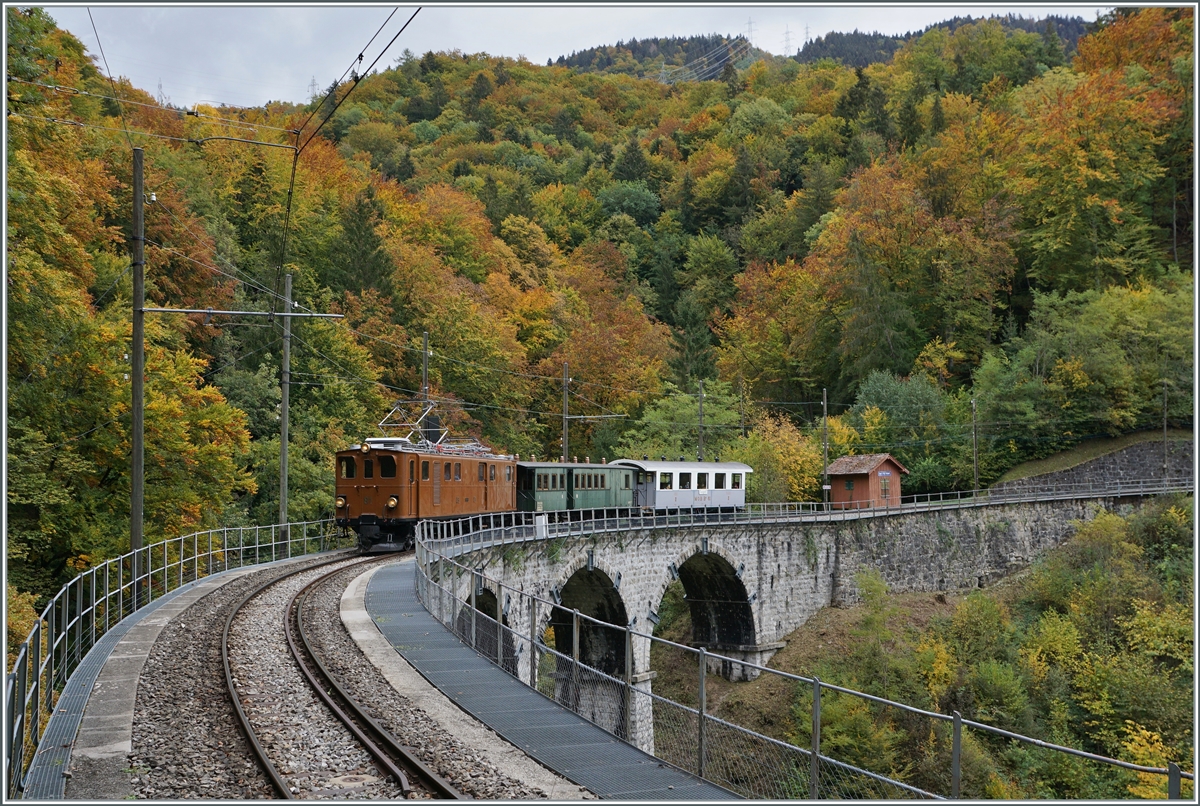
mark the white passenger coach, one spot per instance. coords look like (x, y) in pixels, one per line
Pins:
(688, 485)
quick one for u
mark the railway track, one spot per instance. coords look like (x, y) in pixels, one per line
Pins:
(311, 738)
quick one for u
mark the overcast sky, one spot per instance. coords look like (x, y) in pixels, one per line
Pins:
(245, 56)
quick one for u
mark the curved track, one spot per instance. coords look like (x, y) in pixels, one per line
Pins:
(408, 774)
(385, 748)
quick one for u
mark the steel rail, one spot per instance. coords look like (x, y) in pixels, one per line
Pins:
(382, 744)
(260, 752)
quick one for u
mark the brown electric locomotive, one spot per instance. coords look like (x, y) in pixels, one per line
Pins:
(384, 486)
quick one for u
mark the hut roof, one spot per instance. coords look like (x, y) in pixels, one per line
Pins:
(857, 465)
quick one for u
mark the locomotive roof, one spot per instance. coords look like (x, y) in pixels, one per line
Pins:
(462, 450)
(656, 466)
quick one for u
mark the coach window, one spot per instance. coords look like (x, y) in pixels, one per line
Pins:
(553, 481)
(424, 471)
(368, 469)
(603, 482)
(626, 481)
(446, 472)
(541, 481)
(718, 481)
(701, 481)
(737, 482)
(562, 481)
(348, 466)
(664, 481)
(685, 481)
(387, 467)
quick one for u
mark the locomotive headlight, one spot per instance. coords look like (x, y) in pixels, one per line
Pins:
(365, 448)
(393, 502)
(340, 501)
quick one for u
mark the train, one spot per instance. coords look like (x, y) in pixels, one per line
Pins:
(384, 486)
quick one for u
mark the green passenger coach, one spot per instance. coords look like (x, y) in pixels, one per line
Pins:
(558, 486)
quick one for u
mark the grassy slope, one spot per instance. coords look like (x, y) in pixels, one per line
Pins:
(1086, 451)
(764, 705)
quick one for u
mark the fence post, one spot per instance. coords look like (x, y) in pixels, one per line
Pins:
(474, 612)
(629, 683)
(701, 708)
(533, 657)
(815, 766)
(956, 758)
(500, 626)
(78, 619)
(441, 582)
(575, 659)
(50, 635)
(1173, 783)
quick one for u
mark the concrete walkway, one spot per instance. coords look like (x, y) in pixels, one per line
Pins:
(547, 732)
(84, 752)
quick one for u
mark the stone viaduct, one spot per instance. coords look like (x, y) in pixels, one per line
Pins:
(748, 585)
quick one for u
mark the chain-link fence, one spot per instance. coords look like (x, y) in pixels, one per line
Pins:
(97, 600)
(586, 665)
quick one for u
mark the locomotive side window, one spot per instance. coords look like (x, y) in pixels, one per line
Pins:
(446, 472)
(458, 471)
(368, 469)
(412, 469)
(348, 466)
(482, 471)
(387, 467)
(737, 482)
(718, 481)
(685, 481)
(701, 481)
(424, 471)
(664, 481)
(507, 472)
(492, 473)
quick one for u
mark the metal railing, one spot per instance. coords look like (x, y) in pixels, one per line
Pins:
(98, 599)
(687, 736)
(456, 536)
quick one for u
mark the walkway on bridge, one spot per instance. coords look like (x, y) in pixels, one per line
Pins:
(551, 734)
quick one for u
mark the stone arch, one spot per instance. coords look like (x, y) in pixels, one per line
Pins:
(593, 594)
(722, 615)
(487, 640)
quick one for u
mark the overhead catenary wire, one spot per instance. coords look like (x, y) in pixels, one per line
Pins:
(287, 216)
(110, 78)
(243, 124)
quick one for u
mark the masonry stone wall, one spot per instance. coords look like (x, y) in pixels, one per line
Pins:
(1136, 463)
(790, 571)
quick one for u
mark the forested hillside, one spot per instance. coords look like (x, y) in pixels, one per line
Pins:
(859, 49)
(976, 218)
